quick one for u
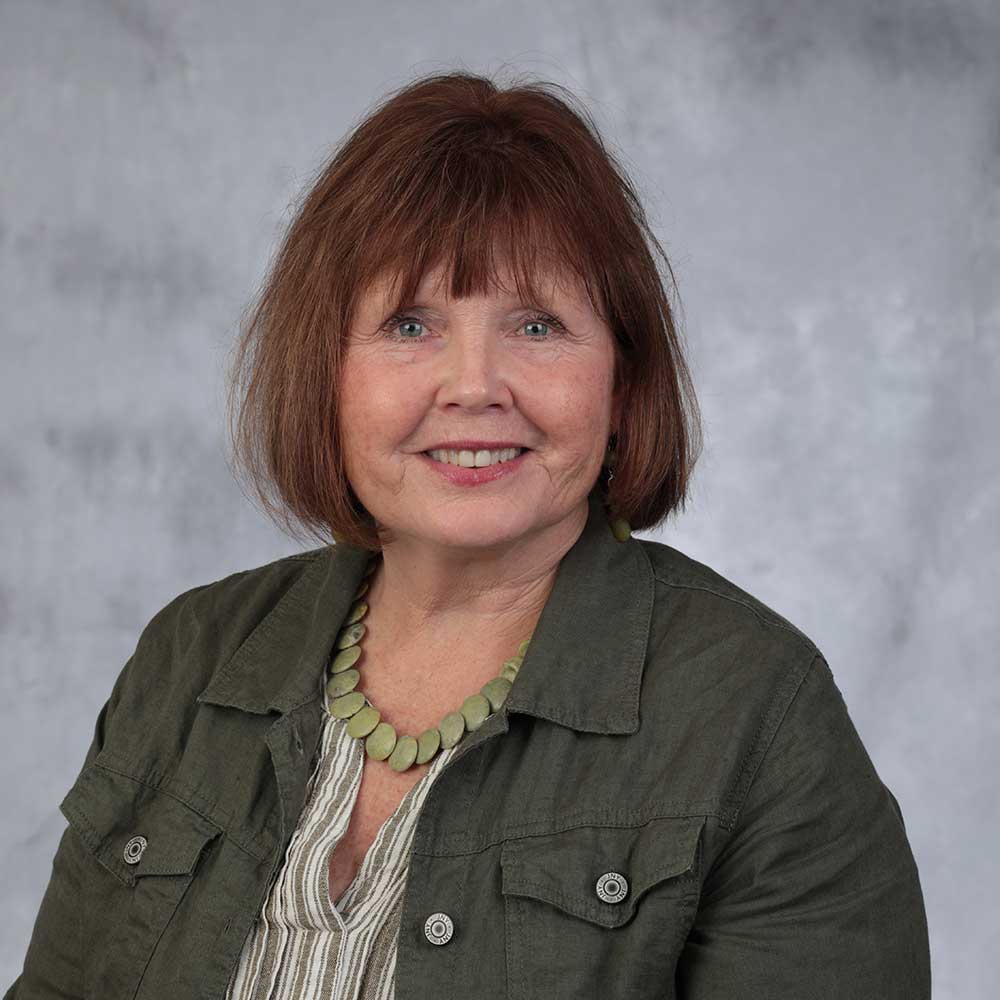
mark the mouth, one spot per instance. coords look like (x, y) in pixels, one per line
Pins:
(466, 459)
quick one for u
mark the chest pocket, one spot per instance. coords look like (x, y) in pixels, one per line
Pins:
(568, 938)
(127, 904)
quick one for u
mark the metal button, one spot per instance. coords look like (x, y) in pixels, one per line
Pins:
(612, 887)
(133, 850)
(438, 928)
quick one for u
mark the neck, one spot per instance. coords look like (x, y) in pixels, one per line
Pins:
(487, 599)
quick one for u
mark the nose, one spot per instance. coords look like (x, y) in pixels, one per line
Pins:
(473, 372)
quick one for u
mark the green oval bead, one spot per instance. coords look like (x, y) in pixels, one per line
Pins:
(345, 658)
(351, 635)
(452, 728)
(514, 663)
(496, 691)
(404, 753)
(356, 613)
(361, 591)
(381, 741)
(621, 529)
(508, 673)
(346, 680)
(363, 722)
(346, 705)
(523, 648)
(428, 744)
(475, 709)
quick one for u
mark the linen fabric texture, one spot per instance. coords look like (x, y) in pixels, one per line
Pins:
(665, 725)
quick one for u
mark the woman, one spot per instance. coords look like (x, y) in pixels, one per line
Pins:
(488, 743)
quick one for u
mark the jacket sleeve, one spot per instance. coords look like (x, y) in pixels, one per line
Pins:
(53, 965)
(816, 893)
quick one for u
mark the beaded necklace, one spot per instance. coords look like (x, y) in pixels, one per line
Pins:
(364, 721)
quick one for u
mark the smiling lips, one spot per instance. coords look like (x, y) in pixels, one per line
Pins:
(460, 468)
(468, 459)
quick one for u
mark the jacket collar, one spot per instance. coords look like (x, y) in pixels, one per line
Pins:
(583, 668)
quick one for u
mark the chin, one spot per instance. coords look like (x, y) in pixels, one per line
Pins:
(474, 530)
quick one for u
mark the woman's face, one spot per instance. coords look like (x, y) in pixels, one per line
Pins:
(486, 370)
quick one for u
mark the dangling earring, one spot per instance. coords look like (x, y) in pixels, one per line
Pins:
(620, 528)
(609, 456)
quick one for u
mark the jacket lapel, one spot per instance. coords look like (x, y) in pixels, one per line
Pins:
(583, 668)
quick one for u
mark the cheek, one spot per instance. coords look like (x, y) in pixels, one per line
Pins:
(377, 403)
(575, 409)
(361, 421)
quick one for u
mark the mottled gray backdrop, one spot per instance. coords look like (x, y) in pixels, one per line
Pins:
(825, 177)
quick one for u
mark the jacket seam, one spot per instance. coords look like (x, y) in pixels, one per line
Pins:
(766, 619)
(763, 738)
(83, 966)
(235, 840)
(619, 820)
(84, 829)
(239, 574)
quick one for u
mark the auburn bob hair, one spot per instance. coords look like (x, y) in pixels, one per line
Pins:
(453, 170)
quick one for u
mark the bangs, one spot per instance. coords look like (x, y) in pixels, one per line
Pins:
(492, 219)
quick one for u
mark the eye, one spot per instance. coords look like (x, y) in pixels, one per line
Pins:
(546, 320)
(396, 320)
(399, 319)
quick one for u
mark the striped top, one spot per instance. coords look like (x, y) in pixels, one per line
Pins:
(302, 947)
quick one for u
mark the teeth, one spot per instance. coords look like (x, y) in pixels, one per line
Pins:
(475, 459)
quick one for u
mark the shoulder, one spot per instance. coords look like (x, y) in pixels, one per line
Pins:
(722, 669)
(714, 602)
(223, 612)
(185, 644)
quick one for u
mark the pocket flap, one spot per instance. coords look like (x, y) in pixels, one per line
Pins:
(108, 809)
(563, 868)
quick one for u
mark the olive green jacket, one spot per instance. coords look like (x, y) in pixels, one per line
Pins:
(665, 725)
